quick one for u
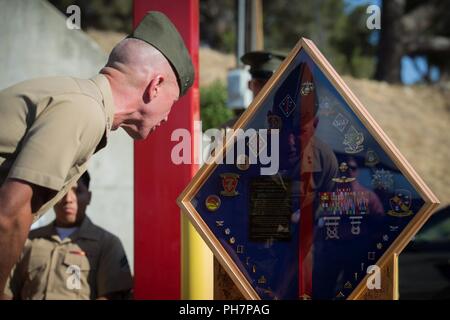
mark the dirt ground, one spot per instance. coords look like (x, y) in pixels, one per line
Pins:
(416, 118)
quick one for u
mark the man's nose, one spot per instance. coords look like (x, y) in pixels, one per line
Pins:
(69, 197)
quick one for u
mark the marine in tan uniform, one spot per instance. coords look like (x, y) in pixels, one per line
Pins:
(71, 258)
(50, 127)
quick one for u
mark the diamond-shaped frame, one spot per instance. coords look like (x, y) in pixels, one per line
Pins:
(430, 200)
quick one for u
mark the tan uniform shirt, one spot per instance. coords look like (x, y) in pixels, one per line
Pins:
(50, 127)
(89, 264)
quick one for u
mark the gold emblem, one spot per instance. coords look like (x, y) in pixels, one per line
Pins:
(212, 203)
(232, 240)
(400, 204)
(306, 88)
(324, 196)
(343, 167)
(348, 285)
(229, 184)
(262, 280)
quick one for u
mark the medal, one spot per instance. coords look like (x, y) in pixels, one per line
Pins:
(393, 228)
(343, 167)
(306, 88)
(274, 122)
(400, 204)
(325, 108)
(353, 141)
(371, 159)
(287, 106)
(340, 122)
(219, 223)
(243, 162)
(229, 184)
(383, 179)
(212, 203)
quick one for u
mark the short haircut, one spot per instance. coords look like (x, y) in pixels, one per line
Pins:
(85, 179)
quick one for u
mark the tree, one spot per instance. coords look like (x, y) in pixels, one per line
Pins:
(218, 24)
(213, 109)
(113, 15)
(341, 36)
(413, 28)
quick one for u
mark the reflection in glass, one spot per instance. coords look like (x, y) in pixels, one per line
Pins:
(335, 205)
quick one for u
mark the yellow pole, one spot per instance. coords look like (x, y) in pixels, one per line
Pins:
(396, 293)
(197, 265)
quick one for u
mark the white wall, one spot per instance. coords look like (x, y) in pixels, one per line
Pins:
(35, 42)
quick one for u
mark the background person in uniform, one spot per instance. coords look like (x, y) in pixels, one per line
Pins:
(50, 127)
(263, 65)
(71, 258)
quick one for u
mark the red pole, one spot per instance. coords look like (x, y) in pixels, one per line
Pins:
(157, 181)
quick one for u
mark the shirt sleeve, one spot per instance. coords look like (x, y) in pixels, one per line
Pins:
(63, 135)
(113, 273)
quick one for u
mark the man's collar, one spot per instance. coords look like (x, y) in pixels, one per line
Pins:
(86, 230)
(108, 102)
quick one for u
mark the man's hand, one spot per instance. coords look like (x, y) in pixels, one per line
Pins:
(18, 201)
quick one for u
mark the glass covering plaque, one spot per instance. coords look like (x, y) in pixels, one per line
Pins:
(309, 193)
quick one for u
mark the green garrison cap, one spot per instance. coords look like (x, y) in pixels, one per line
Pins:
(157, 30)
(262, 63)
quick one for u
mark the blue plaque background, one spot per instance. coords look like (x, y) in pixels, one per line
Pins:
(370, 186)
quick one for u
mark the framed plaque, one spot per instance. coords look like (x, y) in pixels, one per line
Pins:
(307, 194)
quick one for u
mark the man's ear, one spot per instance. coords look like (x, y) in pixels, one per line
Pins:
(153, 89)
(89, 198)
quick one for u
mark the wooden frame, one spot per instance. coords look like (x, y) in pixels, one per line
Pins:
(430, 200)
